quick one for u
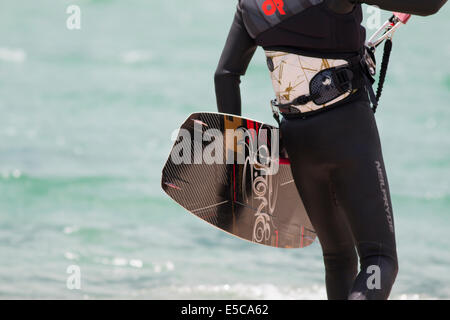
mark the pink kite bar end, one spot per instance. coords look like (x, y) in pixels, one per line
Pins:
(403, 17)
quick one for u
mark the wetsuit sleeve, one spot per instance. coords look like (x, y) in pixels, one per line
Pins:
(239, 50)
(417, 7)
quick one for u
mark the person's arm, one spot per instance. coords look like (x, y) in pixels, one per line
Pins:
(416, 7)
(235, 58)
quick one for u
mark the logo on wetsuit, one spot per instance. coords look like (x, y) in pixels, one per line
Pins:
(387, 207)
(271, 6)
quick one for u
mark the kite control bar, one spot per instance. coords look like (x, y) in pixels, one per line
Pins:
(387, 29)
(384, 34)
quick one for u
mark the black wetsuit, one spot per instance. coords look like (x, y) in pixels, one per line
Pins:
(336, 157)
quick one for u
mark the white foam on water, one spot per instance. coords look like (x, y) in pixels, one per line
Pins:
(71, 256)
(136, 263)
(135, 56)
(70, 229)
(16, 173)
(170, 266)
(412, 296)
(249, 291)
(157, 268)
(120, 262)
(265, 291)
(166, 267)
(13, 55)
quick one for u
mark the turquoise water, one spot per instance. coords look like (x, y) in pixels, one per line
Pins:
(86, 118)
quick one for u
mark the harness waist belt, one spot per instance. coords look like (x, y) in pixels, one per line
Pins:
(304, 84)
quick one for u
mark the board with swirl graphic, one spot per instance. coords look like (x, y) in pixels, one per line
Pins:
(228, 171)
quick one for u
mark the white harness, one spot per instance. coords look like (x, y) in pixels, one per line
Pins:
(291, 75)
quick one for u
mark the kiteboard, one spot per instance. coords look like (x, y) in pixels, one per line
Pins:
(233, 173)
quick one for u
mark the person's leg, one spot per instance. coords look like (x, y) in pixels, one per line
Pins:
(362, 190)
(341, 149)
(312, 179)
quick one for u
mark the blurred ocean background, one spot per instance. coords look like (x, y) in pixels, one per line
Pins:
(86, 118)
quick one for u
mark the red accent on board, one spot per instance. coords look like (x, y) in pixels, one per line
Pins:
(301, 239)
(172, 185)
(276, 240)
(285, 161)
(251, 125)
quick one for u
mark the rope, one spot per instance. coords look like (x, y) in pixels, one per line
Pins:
(383, 71)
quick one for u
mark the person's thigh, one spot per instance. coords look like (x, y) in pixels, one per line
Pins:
(362, 187)
(312, 178)
(315, 187)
